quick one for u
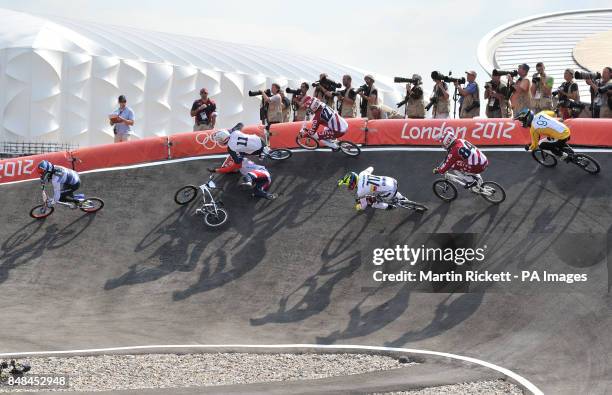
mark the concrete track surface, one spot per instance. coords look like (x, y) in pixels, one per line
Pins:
(299, 269)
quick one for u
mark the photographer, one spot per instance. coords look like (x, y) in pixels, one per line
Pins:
(347, 99)
(324, 93)
(299, 112)
(541, 90)
(275, 104)
(381, 111)
(286, 106)
(415, 107)
(521, 94)
(204, 111)
(469, 102)
(497, 94)
(566, 92)
(369, 96)
(603, 96)
(439, 99)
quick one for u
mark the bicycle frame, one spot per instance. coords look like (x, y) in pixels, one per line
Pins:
(46, 198)
(208, 201)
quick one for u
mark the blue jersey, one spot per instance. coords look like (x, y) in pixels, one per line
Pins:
(63, 176)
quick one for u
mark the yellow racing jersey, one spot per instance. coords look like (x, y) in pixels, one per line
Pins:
(545, 124)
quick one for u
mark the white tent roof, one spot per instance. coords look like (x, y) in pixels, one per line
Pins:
(22, 30)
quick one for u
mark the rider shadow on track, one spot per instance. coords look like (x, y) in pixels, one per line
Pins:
(365, 320)
(339, 263)
(28, 244)
(172, 238)
(259, 222)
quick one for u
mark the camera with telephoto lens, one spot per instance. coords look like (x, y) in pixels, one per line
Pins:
(585, 75)
(293, 91)
(259, 93)
(605, 88)
(363, 89)
(436, 75)
(431, 103)
(500, 73)
(402, 80)
(329, 85)
(573, 104)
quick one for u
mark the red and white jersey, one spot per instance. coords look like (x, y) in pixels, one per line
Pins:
(252, 168)
(464, 156)
(328, 118)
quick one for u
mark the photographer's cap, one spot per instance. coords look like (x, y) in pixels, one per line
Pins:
(571, 71)
(369, 76)
(471, 72)
(121, 99)
(416, 77)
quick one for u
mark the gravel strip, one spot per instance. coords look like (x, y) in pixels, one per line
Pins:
(495, 387)
(118, 372)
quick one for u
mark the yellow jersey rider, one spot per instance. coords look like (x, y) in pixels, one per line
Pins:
(544, 124)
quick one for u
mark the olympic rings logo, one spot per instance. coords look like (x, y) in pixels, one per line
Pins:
(207, 140)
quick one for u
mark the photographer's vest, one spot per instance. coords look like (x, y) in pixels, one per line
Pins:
(275, 110)
(520, 101)
(468, 102)
(286, 110)
(442, 106)
(415, 108)
(539, 102)
(371, 103)
(348, 111)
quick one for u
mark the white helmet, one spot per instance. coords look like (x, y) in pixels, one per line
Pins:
(448, 139)
(221, 136)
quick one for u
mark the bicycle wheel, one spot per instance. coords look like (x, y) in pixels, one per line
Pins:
(445, 190)
(307, 142)
(280, 154)
(214, 220)
(544, 158)
(41, 211)
(586, 163)
(492, 192)
(410, 205)
(186, 194)
(91, 205)
(349, 148)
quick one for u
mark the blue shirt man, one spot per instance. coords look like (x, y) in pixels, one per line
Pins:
(122, 120)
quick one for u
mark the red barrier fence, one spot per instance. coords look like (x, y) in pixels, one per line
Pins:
(417, 132)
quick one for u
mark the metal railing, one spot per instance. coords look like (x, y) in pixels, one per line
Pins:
(15, 149)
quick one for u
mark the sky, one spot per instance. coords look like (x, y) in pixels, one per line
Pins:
(395, 38)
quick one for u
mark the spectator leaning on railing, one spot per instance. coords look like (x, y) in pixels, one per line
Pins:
(204, 111)
(122, 120)
(381, 111)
